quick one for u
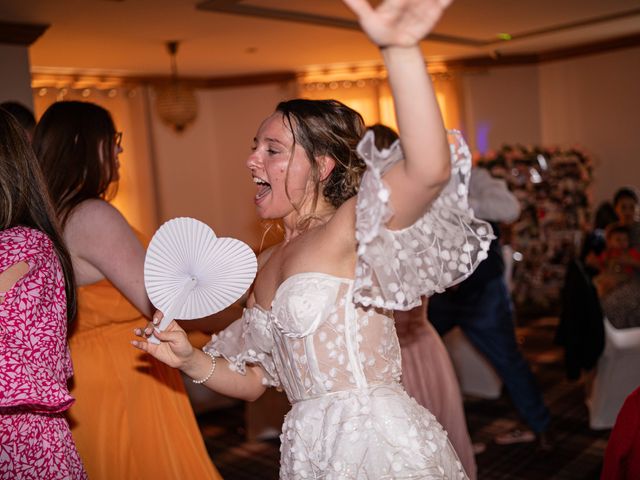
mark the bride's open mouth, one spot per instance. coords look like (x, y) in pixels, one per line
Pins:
(264, 188)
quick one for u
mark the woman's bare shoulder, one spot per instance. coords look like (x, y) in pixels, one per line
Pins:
(94, 211)
(96, 223)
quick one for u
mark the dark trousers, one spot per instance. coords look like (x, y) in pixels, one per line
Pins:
(485, 315)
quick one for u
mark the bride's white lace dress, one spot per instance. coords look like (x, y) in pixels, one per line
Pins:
(331, 344)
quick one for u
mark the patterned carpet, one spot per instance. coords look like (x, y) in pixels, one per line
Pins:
(576, 452)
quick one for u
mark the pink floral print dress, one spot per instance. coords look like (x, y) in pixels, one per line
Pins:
(35, 440)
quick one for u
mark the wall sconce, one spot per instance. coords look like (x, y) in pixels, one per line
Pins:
(175, 102)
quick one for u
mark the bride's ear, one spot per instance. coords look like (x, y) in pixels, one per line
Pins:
(326, 164)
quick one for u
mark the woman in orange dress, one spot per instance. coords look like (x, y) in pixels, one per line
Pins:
(132, 418)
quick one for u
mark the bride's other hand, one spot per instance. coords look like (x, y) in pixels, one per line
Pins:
(174, 348)
(399, 23)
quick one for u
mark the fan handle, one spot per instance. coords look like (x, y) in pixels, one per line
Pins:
(176, 305)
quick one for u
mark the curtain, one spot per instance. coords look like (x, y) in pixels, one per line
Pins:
(372, 97)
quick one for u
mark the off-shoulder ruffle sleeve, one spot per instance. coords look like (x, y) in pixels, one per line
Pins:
(248, 340)
(396, 267)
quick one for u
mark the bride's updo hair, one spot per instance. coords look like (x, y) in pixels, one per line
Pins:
(328, 128)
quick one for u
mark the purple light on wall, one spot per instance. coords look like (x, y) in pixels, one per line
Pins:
(482, 137)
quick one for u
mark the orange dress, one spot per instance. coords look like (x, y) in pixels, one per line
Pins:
(132, 418)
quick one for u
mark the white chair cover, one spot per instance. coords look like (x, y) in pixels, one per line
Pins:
(617, 375)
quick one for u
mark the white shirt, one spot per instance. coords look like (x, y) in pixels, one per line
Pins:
(491, 199)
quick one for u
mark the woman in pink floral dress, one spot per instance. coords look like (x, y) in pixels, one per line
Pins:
(36, 299)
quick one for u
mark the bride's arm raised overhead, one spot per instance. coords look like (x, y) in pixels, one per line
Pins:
(397, 27)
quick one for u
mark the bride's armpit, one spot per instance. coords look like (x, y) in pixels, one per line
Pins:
(10, 277)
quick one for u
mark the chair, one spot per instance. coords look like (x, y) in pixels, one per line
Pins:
(475, 374)
(616, 376)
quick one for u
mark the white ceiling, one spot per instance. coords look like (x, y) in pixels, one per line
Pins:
(128, 36)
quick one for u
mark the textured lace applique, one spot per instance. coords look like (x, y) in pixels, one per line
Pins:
(338, 358)
(247, 340)
(395, 268)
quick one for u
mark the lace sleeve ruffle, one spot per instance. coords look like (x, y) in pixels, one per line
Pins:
(248, 340)
(396, 267)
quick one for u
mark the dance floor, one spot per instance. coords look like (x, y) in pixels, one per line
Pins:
(575, 454)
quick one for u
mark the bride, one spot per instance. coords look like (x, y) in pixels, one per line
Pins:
(366, 232)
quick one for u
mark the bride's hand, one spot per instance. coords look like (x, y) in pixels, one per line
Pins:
(174, 348)
(400, 23)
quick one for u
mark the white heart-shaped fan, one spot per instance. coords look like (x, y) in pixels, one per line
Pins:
(190, 273)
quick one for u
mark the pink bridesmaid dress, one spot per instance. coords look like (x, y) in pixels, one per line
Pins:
(428, 376)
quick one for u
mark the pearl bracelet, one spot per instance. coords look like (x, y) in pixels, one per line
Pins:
(213, 369)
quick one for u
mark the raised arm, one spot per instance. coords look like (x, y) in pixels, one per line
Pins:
(397, 27)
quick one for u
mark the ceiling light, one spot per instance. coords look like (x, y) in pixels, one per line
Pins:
(176, 102)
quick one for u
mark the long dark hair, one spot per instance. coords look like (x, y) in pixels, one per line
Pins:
(24, 199)
(75, 145)
(328, 128)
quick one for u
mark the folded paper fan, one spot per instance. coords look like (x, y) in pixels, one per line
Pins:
(190, 273)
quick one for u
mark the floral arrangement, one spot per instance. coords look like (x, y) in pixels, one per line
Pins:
(552, 185)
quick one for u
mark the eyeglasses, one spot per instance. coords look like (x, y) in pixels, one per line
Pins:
(118, 138)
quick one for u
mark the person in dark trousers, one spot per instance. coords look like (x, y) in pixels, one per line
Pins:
(481, 306)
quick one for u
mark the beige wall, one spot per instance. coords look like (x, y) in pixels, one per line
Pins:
(594, 102)
(15, 80)
(501, 106)
(201, 172)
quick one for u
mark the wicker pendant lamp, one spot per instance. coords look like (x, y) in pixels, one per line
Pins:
(175, 102)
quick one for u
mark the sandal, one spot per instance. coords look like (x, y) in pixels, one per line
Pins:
(515, 436)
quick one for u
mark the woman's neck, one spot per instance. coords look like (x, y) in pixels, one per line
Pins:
(298, 223)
